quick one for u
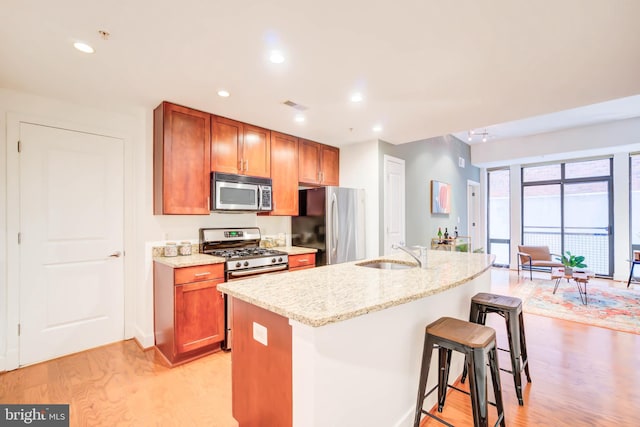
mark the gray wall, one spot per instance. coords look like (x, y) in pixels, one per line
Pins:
(426, 160)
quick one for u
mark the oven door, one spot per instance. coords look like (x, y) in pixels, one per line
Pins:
(245, 274)
(235, 196)
(228, 301)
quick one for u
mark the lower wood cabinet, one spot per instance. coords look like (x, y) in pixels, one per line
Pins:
(188, 311)
(300, 262)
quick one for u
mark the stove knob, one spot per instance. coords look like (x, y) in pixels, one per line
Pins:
(280, 259)
(273, 260)
(246, 263)
(238, 264)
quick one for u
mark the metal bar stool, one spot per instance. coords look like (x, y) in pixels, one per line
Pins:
(477, 343)
(510, 308)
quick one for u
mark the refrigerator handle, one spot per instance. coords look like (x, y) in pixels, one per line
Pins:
(334, 225)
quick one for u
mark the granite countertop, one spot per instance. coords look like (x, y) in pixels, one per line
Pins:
(189, 260)
(333, 293)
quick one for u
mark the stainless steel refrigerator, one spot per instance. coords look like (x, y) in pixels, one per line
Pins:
(331, 220)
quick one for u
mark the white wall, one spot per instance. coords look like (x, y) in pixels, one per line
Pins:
(143, 230)
(587, 141)
(16, 106)
(359, 168)
(617, 139)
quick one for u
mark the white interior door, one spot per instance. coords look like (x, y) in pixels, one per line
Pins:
(71, 228)
(394, 203)
(473, 214)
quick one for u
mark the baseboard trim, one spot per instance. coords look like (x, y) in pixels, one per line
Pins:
(144, 341)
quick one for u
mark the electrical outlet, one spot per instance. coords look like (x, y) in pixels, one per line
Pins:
(260, 333)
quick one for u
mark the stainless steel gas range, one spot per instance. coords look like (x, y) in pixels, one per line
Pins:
(245, 258)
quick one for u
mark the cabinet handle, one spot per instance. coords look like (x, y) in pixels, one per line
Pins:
(246, 165)
(321, 176)
(240, 165)
(206, 273)
(303, 259)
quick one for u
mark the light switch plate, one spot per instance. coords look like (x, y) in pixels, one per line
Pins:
(461, 162)
(260, 333)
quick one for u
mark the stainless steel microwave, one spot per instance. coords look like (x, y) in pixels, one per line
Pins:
(240, 193)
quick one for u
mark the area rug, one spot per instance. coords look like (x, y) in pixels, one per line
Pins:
(609, 306)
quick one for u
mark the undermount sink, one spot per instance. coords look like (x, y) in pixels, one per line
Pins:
(387, 265)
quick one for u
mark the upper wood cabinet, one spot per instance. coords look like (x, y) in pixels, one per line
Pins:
(284, 174)
(240, 148)
(181, 160)
(319, 164)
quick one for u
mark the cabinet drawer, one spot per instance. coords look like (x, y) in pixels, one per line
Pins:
(297, 261)
(198, 273)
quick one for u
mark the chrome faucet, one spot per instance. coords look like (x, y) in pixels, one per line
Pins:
(421, 258)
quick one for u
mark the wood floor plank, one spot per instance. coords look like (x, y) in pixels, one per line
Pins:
(582, 376)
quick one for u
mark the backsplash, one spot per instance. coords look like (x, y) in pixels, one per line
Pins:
(158, 251)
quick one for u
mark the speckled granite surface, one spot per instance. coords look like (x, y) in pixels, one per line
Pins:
(189, 260)
(334, 293)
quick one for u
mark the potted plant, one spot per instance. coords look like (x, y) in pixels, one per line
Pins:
(571, 261)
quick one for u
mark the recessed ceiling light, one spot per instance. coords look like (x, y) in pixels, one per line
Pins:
(299, 118)
(377, 128)
(83, 47)
(276, 57)
(223, 93)
(356, 97)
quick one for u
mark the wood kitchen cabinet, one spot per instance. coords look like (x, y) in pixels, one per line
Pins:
(188, 311)
(181, 160)
(319, 164)
(301, 262)
(240, 148)
(284, 174)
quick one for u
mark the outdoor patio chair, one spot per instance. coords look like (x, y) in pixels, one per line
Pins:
(530, 257)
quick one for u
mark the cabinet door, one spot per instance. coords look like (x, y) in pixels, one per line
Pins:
(330, 165)
(284, 175)
(181, 160)
(199, 315)
(256, 152)
(226, 140)
(308, 162)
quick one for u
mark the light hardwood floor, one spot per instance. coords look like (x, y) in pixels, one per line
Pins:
(582, 376)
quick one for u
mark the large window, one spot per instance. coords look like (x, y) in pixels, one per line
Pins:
(635, 201)
(568, 207)
(499, 216)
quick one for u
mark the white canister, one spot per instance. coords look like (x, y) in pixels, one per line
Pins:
(171, 249)
(184, 248)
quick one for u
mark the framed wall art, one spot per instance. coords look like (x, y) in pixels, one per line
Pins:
(440, 197)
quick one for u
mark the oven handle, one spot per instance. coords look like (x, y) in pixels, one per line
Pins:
(257, 271)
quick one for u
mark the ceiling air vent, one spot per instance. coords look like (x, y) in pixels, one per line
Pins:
(294, 105)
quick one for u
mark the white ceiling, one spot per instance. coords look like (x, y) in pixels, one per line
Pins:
(425, 68)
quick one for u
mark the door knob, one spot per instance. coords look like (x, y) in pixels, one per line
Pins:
(116, 254)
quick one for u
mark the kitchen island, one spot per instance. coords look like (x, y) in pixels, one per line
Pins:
(341, 345)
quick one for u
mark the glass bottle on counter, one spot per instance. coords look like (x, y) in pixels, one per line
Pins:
(439, 235)
(455, 232)
(446, 234)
